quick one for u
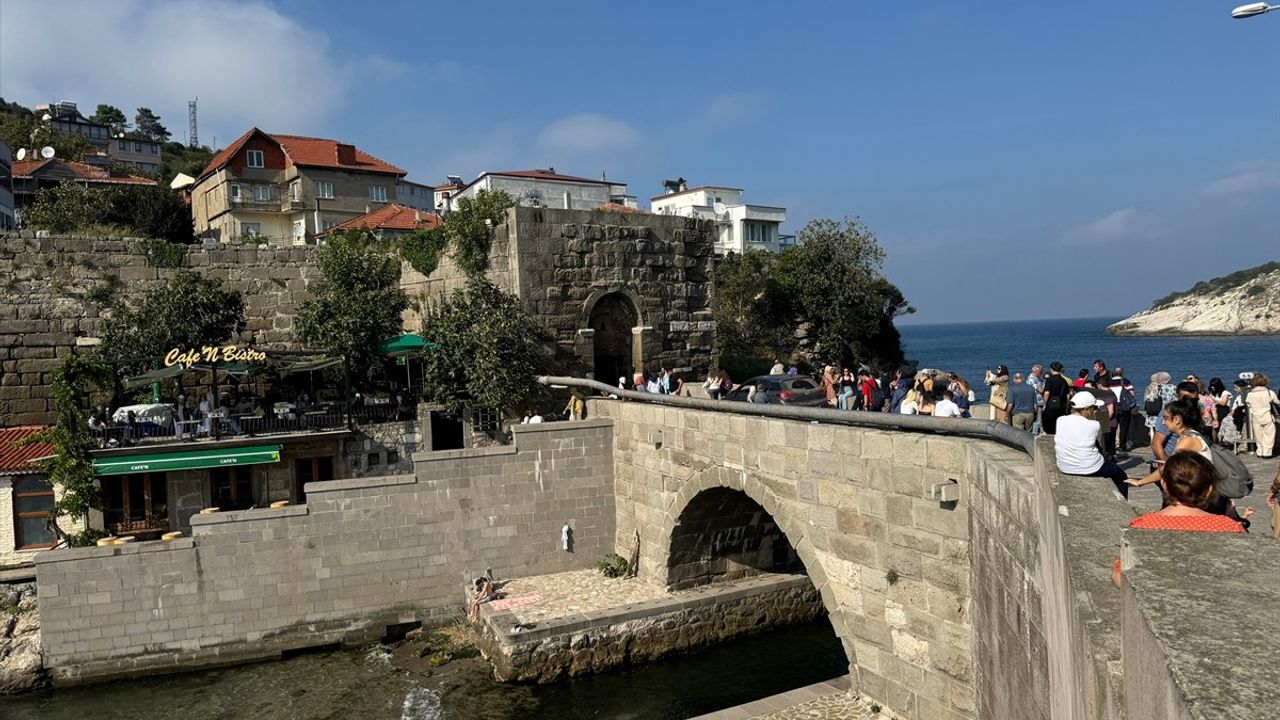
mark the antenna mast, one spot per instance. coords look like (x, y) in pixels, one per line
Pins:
(193, 140)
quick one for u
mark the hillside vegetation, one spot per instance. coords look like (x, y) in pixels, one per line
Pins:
(1246, 302)
(1226, 282)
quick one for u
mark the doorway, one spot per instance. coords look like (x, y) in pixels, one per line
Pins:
(305, 470)
(613, 319)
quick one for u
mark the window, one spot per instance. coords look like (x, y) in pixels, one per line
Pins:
(135, 503)
(32, 501)
(377, 193)
(262, 193)
(137, 147)
(373, 459)
(253, 158)
(124, 145)
(307, 470)
(324, 190)
(250, 228)
(326, 224)
(393, 457)
(155, 149)
(232, 487)
(803, 385)
(234, 192)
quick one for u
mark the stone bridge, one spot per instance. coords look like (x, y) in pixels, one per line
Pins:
(991, 601)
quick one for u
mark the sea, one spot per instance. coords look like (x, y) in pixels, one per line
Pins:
(970, 348)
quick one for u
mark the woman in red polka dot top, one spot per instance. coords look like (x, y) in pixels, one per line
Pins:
(1190, 483)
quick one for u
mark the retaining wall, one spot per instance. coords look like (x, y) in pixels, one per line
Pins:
(361, 555)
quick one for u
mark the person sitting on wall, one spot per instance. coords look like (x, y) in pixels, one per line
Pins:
(483, 592)
(1190, 482)
(1076, 445)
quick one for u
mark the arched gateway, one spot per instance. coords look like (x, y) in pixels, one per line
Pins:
(613, 319)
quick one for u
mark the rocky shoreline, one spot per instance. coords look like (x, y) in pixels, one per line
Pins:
(1251, 307)
(20, 664)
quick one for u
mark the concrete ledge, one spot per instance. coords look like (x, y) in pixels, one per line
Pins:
(438, 455)
(324, 486)
(135, 548)
(219, 518)
(782, 701)
(544, 427)
(1199, 620)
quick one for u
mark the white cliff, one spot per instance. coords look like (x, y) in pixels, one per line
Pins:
(1244, 303)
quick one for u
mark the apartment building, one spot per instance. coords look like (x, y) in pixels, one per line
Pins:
(416, 195)
(547, 188)
(739, 226)
(136, 153)
(288, 188)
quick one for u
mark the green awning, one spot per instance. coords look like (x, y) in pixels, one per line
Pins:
(406, 344)
(189, 460)
(310, 365)
(230, 368)
(153, 376)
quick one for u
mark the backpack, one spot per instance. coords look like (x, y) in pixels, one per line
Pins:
(1127, 401)
(877, 398)
(1153, 406)
(1236, 480)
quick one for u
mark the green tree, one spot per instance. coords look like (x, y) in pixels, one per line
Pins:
(178, 158)
(357, 303)
(144, 210)
(148, 124)
(824, 300)
(187, 311)
(111, 116)
(70, 468)
(489, 349)
(468, 229)
(24, 130)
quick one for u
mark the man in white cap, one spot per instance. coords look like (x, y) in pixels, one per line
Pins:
(1076, 444)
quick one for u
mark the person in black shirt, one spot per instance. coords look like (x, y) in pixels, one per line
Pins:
(1057, 392)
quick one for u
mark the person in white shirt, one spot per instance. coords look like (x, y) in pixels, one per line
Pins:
(1076, 444)
(531, 417)
(947, 407)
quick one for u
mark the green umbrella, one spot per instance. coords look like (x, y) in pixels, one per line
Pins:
(405, 346)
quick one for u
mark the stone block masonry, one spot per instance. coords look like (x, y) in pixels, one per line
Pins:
(361, 555)
(54, 292)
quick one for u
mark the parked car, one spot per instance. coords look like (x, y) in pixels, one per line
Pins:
(782, 390)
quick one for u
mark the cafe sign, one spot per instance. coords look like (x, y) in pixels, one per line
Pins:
(212, 354)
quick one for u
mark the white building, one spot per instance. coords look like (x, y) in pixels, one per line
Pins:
(740, 227)
(547, 188)
(415, 195)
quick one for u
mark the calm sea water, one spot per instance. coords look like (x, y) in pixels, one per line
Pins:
(970, 348)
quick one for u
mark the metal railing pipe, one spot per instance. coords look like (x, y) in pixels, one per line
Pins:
(964, 427)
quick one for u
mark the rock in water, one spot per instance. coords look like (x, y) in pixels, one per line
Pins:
(20, 668)
(1243, 303)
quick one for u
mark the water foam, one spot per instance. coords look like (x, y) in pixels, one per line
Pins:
(421, 704)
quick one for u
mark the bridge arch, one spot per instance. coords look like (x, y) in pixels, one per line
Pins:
(741, 489)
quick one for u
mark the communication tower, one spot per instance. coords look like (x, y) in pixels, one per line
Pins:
(193, 140)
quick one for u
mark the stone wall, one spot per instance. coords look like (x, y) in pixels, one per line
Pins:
(361, 555)
(891, 564)
(54, 298)
(561, 262)
(645, 632)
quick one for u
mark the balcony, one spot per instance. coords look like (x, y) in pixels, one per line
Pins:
(248, 202)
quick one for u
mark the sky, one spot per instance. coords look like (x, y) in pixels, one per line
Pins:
(1015, 160)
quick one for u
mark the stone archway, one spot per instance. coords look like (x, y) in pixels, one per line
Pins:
(613, 319)
(721, 535)
(788, 520)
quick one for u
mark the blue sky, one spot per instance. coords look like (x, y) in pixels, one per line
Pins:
(1016, 160)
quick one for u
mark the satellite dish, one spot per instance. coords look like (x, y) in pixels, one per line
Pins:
(22, 153)
(47, 152)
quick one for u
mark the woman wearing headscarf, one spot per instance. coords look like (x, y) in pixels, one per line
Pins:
(1158, 390)
(1260, 399)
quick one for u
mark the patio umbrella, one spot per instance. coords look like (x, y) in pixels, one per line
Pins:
(405, 346)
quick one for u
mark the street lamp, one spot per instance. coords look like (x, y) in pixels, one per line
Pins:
(1248, 11)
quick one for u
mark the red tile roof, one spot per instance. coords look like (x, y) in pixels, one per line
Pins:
(390, 217)
(311, 151)
(83, 171)
(15, 460)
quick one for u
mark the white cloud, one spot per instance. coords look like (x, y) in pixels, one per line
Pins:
(587, 133)
(1112, 226)
(1246, 179)
(248, 64)
(734, 107)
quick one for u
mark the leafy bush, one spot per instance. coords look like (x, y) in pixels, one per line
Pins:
(163, 254)
(612, 565)
(147, 210)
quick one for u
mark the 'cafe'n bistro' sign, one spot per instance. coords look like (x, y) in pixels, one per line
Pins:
(212, 353)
